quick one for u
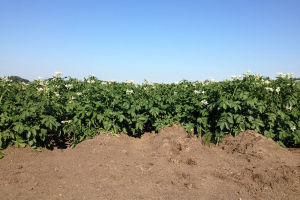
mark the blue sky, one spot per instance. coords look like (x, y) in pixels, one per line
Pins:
(161, 40)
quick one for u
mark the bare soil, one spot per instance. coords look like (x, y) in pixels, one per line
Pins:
(169, 165)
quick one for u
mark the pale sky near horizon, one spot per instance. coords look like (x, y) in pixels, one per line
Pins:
(160, 40)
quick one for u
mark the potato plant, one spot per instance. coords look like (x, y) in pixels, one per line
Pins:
(82, 109)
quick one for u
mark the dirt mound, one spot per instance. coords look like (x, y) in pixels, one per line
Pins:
(267, 166)
(168, 165)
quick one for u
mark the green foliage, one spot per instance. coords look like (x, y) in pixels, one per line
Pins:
(83, 109)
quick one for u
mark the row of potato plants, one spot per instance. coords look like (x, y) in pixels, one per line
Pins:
(81, 109)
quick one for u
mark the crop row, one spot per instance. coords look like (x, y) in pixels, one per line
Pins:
(81, 109)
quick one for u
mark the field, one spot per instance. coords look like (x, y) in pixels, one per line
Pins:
(183, 140)
(169, 165)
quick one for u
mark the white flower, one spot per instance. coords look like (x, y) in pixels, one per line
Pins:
(267, 82)
(203, 92)
(129, 91)
(278, 89)
(39, 89)
(66, 121)
(4, 79)
(91, 75)
(57, 74)
(204, 102)
(103, 83)
(129, 81)
(57, 86)
(292, 74)
(280, 74)
(257, 76)
(293, 128)
(73, 97)
(200, 82)
(145, 88)
(175, 93)
(40, 78)
(9, 84)
(273, 79)
(79, 93)
(270, 89)
(194, 84)
(197, 92)
(211, 80)
(248, 73)
(288, 108)
(69, 86)
(234, 77)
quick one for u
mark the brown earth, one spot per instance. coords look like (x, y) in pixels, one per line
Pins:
(169, 165)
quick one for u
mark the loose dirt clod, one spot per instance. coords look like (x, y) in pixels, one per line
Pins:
(168, 165)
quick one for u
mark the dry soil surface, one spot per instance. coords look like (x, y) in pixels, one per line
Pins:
(169, 165)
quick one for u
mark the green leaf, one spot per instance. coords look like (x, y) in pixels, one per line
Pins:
(230, 120)
(242, 126)
(222, 125)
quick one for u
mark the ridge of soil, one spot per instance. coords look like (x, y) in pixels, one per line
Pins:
(169, 165)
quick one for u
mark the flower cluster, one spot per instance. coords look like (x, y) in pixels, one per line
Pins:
(278, 90)
(280, 74)
(79, 93)
(90, 81)
(57, 74)
(39, 89)
(56, 94)
(111, 81)
(248, 73)
(198, 92)
(265, 82)
(129, 91)
(288, 108)
(43, 83)
(5, 79)
(204, 102)
(69, 86)
(129, 81)
(66, 121)
(293, 128)
(270, 89)
(257, 76)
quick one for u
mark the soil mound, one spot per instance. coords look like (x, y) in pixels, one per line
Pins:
(169, 165)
